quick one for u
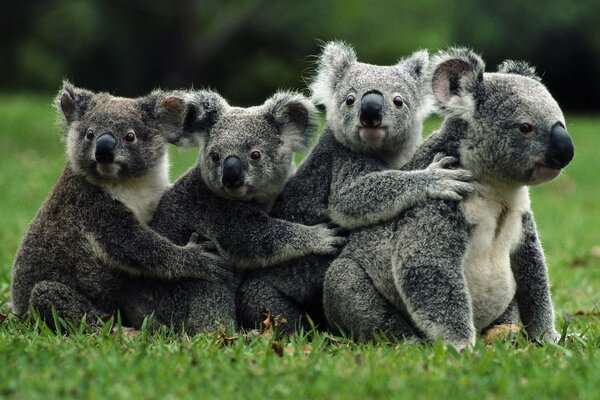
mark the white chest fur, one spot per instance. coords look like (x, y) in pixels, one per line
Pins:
(142, 195)
(495, 219)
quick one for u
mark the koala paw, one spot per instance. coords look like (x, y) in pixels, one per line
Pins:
(212, 266)
(327, 239)
(549, 336)
(448, 183)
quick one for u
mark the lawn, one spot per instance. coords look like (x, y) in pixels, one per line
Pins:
(105, 364)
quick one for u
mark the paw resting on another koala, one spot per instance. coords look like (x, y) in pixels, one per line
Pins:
(447, 181)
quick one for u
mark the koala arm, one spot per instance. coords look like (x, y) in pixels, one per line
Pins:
(123, 242)
(363, 192)
(253, 239)
(428, 272)
(533, 287)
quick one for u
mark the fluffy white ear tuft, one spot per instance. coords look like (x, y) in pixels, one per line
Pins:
(456, 75)
(518, 68)
(334, 60)
(295, 116)
(416, 64)
(185, 116)
(72, 102)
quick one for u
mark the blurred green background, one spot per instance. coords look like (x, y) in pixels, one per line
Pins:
(247, 49)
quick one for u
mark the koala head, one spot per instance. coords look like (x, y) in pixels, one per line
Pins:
(372, 109)
(516, 132)
(246, 153)
(112, 138)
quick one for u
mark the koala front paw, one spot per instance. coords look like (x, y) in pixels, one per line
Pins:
(448, 183)
(211, 266)
(326, 239)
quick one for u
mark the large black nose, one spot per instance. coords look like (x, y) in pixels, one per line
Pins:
(561, 150)
(105, 148)
(233, 174)
(371, 110)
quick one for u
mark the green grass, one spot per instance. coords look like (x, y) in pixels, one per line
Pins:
(39, 364)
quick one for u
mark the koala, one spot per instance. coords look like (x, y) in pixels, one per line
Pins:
(447, 270)
(245, 159)
(91, 232)
(351, 177)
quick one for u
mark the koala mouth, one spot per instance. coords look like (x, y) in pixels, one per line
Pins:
(239, 191)
(108, 170)
(543, 172)
(372, 135)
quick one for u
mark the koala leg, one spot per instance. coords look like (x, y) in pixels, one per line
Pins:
(210, 306)
(69, 303)
(353, 304)
(193, 305)
(257, 295)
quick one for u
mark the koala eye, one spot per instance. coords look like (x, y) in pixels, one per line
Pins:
(255, 155)
(89, 135)
(130, 137)
(525, 128)
(398, 102)
(215, 157)
(350, 100)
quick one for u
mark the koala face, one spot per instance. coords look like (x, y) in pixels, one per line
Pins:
(115, 138)
(516, 130)
(246, 153)
(372, 109)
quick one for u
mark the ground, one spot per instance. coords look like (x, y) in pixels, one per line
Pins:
(103, 363)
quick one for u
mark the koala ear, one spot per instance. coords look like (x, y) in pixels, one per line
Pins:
(295, 116)
(72, 102)
(416, 64)
(457, 74)
(183, 117)
(333, 62)
(518, 68)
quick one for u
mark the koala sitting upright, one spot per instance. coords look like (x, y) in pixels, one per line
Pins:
(445, 269)
(374, 123)
(91, 230)
(245, 159)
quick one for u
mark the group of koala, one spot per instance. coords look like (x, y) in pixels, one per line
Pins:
(375, 233)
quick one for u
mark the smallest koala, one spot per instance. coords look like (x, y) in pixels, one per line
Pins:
(449, 270)
(91, 231)
(245, 160)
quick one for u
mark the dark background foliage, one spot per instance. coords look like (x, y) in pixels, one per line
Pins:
(246, 49)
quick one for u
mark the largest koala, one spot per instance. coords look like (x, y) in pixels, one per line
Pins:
(91, 231)
(374, 123)
(448, 270)
(245, 159)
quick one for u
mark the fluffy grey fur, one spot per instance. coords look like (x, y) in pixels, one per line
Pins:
(348, 178)
(449, 269)
(91, 230)
(260, 140)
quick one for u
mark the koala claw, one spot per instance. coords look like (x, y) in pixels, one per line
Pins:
(442, 161)
(328, 240)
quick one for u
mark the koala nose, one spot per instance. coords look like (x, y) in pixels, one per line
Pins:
(232, 172)
(105, 148)
(561, 150)
(371, 110)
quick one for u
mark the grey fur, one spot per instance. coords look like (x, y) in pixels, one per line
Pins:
(235, 220)
(91, 231)
(348, 178)
(449, 269)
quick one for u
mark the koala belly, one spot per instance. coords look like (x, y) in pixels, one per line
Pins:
(496, 230)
